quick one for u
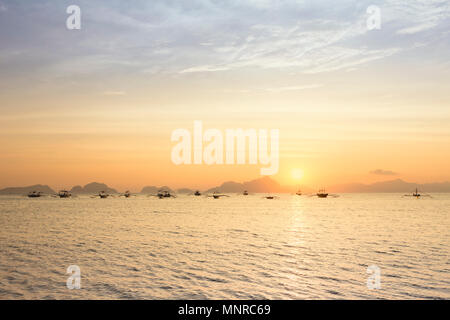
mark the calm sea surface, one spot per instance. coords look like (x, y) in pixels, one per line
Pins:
(232, 248)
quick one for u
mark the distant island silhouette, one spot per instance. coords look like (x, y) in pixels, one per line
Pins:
(26, 190)
(261, 185)
(396, 185)
(93, 187)
(153, 189)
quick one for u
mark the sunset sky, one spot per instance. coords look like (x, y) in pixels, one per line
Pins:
(100, 103)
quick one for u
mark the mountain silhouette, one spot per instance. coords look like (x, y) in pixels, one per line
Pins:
(261, 185)
(153, 189)
(26, 190)
(396, 185)
(91, 188)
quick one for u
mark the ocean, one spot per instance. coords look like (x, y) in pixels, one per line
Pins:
(240, 247)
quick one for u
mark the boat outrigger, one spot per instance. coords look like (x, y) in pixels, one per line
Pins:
(217, 195)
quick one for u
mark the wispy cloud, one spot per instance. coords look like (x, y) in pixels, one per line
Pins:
(417, 16)
(382, 172)
(304, 45)
(293, 88)
(418, 28)
(206, 36)
(204, 69)
(318, 45)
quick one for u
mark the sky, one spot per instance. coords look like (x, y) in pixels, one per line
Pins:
(100, 103)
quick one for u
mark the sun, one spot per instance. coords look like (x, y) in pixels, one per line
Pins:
(297, 174)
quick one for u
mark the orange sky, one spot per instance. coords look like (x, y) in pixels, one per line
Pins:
(125, 141)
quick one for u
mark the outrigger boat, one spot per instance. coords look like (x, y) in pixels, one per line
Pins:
(217, 195)
(245, 193)
(322, 193)
(162, 194)
(417, 194)
(34, 194)
(299, 192)
(127, 194)
(101, 195)
(64, 194)
(197, 193)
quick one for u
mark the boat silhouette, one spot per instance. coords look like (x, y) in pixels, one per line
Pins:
(416, 194)
(322, 193)
(64, 194)
(217, 195)
(34, 194)
(101, 195)
(162, 194)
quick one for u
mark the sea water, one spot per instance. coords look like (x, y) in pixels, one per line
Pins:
(240, 247)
